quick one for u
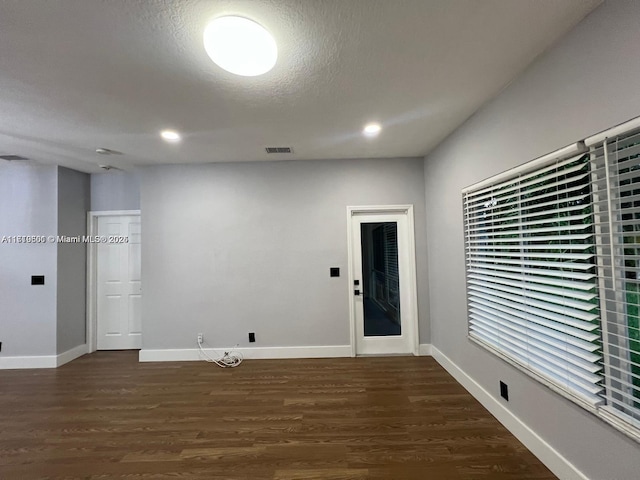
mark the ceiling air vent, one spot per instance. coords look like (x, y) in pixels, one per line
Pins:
(12, 158)
(278, 149)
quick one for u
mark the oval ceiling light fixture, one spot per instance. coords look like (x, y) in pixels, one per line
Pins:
(240, 46)
(170, 136)
(371, 130)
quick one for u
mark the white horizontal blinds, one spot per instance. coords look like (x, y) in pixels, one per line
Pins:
(531, 278)
(616, 172)
(391, 264)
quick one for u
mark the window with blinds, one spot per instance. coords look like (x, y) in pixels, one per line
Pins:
(553, 271)
(531, 274)
(392, 276)
(616, 195)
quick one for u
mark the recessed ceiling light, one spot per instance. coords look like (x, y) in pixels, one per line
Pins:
(240, 46)
(107, 151)
(371, 130)
(170, 135)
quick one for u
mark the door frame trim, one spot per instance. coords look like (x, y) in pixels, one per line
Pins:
(411, 274)
(92, 271)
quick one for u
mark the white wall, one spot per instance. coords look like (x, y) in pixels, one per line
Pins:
(585, 84)
(229, 249)
(28, 206)
(73, 205)
(115, 190)
(42, 320)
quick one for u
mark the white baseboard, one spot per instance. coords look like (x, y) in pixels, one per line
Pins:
(424, 349)
(42, 361)
(72, 354)
(35, 361)
(554, 461)
(189, 354)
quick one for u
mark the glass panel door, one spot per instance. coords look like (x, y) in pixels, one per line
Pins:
(381, 279)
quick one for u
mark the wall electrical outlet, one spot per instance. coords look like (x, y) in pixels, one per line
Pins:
(200, 337)
(252, 337)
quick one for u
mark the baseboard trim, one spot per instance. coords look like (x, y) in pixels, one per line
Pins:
(192, 354)
(42, 361)
(554, 461)
(71, 354)
(424, 349)
(35, 361)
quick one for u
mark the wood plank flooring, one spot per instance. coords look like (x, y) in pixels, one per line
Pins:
(106, 416)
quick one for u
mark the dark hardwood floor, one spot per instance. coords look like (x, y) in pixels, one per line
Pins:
(107, 416)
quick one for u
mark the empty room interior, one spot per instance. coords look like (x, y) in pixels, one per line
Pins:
(320, 239)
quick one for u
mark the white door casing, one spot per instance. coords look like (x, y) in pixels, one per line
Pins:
(407, 342)
(115, 293)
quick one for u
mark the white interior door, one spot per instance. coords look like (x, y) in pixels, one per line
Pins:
(382, 276)
(118, 289)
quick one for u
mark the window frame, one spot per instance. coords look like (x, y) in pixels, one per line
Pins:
(619, 420)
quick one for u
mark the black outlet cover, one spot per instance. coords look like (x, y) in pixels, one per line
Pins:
(504, 391)
(37, 279)
(252, 337)
(334, 272)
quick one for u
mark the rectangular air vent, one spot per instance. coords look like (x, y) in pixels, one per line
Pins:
(278, 149)
(11, 158)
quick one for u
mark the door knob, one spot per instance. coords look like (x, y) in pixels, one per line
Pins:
(356, 292)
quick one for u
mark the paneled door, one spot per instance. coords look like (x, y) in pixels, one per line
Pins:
(118, 283)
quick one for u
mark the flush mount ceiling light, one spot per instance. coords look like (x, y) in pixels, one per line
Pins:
(371, 130)
(240, 46)
(170, 136)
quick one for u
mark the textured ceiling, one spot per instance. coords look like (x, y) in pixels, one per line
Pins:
(80, 74)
